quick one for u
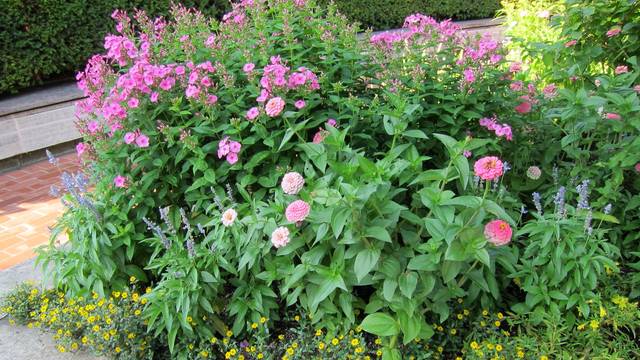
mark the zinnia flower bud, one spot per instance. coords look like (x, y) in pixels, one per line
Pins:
(534, 172)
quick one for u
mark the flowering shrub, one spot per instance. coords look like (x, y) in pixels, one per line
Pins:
(272, 160)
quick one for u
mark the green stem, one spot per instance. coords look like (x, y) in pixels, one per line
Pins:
(463, 279)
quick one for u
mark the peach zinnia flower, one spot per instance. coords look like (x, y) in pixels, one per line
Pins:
(274, 106)
(488, 168)
(292, 183)
(228, 217)
(280, 237)
(498, 232)
(297, 211)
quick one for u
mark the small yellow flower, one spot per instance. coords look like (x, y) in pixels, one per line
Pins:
(318, 332)
(147, 290)
(132, 279)
(378, 341)
(379, 353)
(594, 324)
(485, 312)
(355, 342)
(544, 357)
(603, 312)
(204, 354)
(260, 356)
(497, 323)
(229, 333)
(254, 326)
(320, 345)
(290, 351)
(294, 345)
(459, 316)
(233, 352)
(335, 342)
(453, 331)
(281, 337)
(500, 316)
(118, 350)
(137, 312)
(582, 326)
(263, 320)
(296, 318)
(460, 301)
(520, 354)
(213, 340)
(440, 349)
(474, 345)
(106, 336)
(465, 312)
(498, 348)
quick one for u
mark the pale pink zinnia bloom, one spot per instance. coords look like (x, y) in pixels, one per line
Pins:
(613, 116)
(274, 106)
(498, 232)
(253, 113)
(120, 181)
(300, 104)
(297, 211)
(129, 137)
(621, 69)
(80, 148)
(613, 32)
(292, 183)
(228, 217)
(534, 172)
(280, 237)
(142, 141)
(524, 107)
(488, 168)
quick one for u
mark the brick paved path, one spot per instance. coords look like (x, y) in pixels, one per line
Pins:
(27, 208)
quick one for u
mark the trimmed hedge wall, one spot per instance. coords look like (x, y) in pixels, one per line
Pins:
(386, 14)
(44, 39)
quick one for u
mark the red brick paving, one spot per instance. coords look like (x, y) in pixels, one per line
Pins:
(27, 208)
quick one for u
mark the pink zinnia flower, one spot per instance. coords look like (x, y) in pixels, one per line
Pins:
(248, 67)
(253, 113)
(498, 232)
(297, 211)
(93, 127)
(129, 137)
(613, 116)
(232, 158)
(280, 237)
(80, 148)
(621, 69)
(488, 168)
(570, 43)
(142, 141)
(120, 181)
(274, 106)
(613, 32)
(292, 183)
(549, 91)
(523, 108)
(319, 136)
(228, 217)
(300, 104)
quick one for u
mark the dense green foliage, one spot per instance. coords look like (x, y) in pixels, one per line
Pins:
(387, 14)
(42, 39)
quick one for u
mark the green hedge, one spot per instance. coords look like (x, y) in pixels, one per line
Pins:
(386, 14)
(44, 39)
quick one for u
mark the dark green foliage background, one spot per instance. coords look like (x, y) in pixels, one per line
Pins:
(41, 40)
(386, 14)
(44, 39)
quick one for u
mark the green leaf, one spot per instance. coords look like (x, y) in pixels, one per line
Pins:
(207, 277)
(408, 283)
(380, 324)
(378, 232)
(422, 262)
(366, 260)
(389, 289)
(419, 134)
(410, 326)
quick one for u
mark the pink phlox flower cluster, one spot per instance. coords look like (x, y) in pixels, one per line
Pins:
(550, 91)
(501, 130)
(229, 149)
(387, 39)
